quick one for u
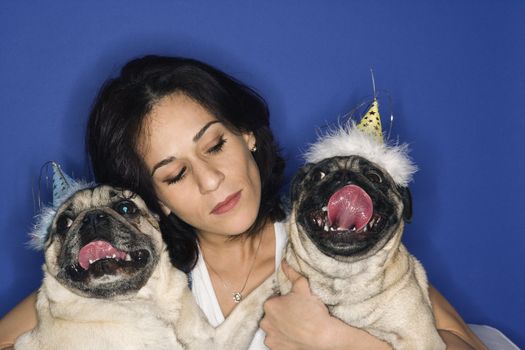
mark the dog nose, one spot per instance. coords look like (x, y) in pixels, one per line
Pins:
(94, 217)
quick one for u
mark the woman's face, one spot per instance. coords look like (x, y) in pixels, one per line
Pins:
(202, 172)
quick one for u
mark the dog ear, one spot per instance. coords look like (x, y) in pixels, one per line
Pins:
(406, 197)
(298, 178)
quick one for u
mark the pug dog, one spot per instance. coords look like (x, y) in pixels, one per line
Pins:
(109, 284)
(345, 230)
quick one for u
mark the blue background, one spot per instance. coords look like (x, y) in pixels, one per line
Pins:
(455, 71)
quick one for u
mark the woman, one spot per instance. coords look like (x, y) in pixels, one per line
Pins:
(196, 145)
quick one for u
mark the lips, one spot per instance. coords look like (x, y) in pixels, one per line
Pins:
(226, 205)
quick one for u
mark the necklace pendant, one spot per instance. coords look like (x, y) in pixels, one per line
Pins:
(237, 297)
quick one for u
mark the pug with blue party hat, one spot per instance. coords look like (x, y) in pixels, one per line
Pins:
(109, 283)
(349, 206)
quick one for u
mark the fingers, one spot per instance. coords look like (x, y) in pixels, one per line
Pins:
(289, 319)
(266, 324)
(271, 324)
(290, 273)
(299, 282)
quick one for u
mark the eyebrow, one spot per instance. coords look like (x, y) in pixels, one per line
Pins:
(196, 138)
(203, 130)
(162, 163)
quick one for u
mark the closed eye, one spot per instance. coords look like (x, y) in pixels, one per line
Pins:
(176, 178)
(217, 147)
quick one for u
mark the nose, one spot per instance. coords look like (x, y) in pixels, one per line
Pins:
(94, 218)
(208, 176)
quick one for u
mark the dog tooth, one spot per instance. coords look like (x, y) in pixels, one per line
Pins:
(91, 261)
(326, 228)
(324, 208)
(128, 257)
(114, 256)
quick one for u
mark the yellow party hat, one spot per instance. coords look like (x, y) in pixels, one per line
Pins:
(365, 139)
(371, 122)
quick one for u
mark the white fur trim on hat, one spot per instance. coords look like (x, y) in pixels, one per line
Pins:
(347, 140)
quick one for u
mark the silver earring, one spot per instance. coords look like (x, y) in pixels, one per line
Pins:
(253, 149)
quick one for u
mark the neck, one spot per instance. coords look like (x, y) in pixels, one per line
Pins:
(238, 264)
(233, 257)
(218, 245)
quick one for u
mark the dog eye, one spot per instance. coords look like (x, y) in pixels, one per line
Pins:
(319, 175)
(374, 176)
(126, 208)
(64, 222)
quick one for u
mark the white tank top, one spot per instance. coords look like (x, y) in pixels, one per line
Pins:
(205, 294)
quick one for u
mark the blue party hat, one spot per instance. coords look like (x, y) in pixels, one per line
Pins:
(62, 184)
(63, 188)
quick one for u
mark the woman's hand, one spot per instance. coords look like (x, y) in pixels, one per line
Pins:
(299, 320)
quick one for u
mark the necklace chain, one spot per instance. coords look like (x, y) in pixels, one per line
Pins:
(237, 296)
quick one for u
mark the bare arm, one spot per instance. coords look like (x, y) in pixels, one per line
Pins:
(452, 329)
(19, 320)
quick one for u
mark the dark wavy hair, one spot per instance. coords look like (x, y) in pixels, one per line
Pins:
(117, 118)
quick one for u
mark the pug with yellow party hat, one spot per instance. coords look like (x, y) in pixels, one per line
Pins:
(349, 206)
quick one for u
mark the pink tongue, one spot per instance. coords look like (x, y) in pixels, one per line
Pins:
(97, 250)
(350, 207)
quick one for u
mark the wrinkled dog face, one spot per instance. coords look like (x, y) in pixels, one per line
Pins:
(348, 206)
(103, 242)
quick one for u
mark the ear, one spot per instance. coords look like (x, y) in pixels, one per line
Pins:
(250, 140)
(406, 197)
(298, 178)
